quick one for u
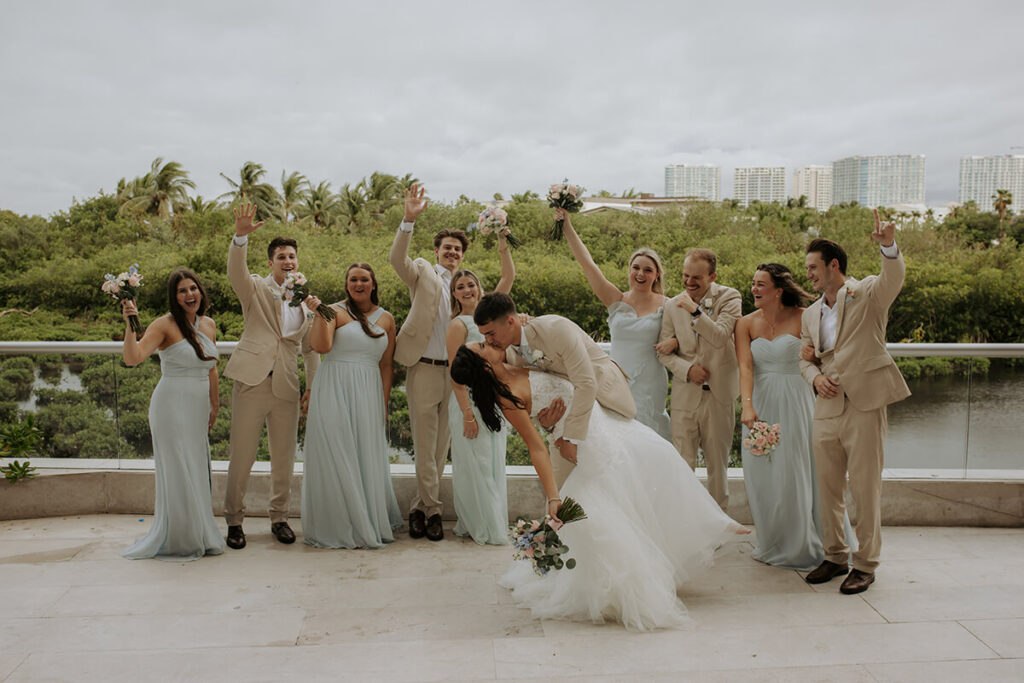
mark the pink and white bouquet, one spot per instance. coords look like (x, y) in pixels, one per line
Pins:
(537, 540)
(564, 196)
(125, 286)
(763, 439)
(295, 293)
(495, 221)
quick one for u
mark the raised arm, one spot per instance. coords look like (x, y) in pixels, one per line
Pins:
(456, 337)
(135, 351)
(746, 363)
(238, 269)
(605, 290)
(886, 287)
(415, 204)
(539, 456)
(508, 267)
(718, 332)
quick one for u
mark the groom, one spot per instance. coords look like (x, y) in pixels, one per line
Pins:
(555, 344)
(854, 379)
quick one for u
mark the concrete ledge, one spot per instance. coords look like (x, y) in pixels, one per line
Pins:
(905, 502)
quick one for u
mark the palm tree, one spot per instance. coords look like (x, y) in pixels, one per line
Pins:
(351, 200)
(631, 193)
(526, 196)
(250, 189)
(407, 181)
(200, 206)
(161, 192)
(1001, 202)
(382, 191)
(294, 190)
(320, 206)
(498, 197)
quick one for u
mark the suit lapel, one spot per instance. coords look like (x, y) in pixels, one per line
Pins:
(815, 314)
(841, 304)
(274, 312)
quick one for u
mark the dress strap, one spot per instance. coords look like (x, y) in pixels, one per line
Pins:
(375, 316)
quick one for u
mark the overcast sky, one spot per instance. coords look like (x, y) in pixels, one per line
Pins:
(478, 97)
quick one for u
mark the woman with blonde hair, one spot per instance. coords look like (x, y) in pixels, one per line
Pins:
(634, 319)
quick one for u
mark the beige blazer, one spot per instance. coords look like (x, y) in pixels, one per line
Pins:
(706, 340)
(568, 351)
(867, 373)
(262, 349)
(425, 291)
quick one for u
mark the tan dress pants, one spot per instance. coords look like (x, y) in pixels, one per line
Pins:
(710, 428)
(851, 443)
(428, 388)
(251, 407)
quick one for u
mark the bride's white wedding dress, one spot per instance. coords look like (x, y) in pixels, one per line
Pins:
(650, 527)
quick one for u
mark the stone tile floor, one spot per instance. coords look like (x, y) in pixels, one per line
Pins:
(948, 605)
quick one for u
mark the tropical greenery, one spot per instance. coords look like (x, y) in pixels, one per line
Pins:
(962, 279)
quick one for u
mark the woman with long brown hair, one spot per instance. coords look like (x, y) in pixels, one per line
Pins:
(347, 497)
(181, 412)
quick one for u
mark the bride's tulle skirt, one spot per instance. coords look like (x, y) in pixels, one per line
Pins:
(650, 528)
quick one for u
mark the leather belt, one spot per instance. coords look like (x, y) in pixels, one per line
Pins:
(431, 361)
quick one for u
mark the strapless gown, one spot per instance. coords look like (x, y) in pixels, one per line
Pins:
(633, 340)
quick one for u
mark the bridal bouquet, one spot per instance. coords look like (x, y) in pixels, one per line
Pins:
(295, 293)
(763, 439)
(536, 540)
(564, 196)
(125, 286)
(496, 220)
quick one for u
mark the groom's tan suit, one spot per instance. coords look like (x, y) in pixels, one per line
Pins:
(264, 367)
(705, 418)
(849, 430)
(558, 345)
(428, 384)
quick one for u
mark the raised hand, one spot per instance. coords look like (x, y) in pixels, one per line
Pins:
(128, 308)
(243, 220)
(884, 232)
(686, 302)
(415, 202)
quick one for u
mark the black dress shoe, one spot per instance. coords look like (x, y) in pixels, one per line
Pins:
(282, 532)
(236, 537)
(435, 532)
(825, 572)
(857, 582)
(417, 524)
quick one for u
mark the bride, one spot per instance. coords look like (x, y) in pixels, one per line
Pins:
(650, 528)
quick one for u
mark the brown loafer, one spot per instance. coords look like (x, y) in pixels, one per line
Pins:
(825, 572)
(236, 537)
(435, 532)
(282, 532)
(857, 582)
(417, 524)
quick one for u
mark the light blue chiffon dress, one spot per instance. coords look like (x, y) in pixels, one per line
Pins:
(782, 490)
(179, 415)
(633, 340)
(478, 470)
(347, 497)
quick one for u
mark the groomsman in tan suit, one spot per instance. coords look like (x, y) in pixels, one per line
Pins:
(420, 346)
(265, 369)
(705, 374)
(854, 379)
(555, 344)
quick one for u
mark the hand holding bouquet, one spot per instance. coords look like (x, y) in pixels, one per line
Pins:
(496, 220)
(564, 196)
(763, 439)
(124, 287)
(536, 540)
(295, 293)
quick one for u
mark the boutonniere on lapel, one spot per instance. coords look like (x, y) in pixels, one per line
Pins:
(708, 305)
(537, 357)
(851, 293)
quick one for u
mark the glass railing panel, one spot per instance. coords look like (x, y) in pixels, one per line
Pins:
(996, 428)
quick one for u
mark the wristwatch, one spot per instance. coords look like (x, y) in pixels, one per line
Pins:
(697, 312)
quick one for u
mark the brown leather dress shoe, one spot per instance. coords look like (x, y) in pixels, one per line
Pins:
(435, 532)
(282, 532)
(236, 537)
(857, 582)
(417, 524)
(825, 572)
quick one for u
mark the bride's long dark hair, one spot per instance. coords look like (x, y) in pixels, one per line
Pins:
(486, 390)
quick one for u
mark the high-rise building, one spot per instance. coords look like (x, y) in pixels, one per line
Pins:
(694, 180)
(980, 177)
(760, 183)
(815, 183)
(884, 180)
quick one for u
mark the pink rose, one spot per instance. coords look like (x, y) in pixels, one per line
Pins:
(299, 278)
(134, 280)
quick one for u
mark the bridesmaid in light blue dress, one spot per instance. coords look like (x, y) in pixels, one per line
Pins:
(781, 487)
(347, 497)
(478, 455)
(634, 320)
(181, 411)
